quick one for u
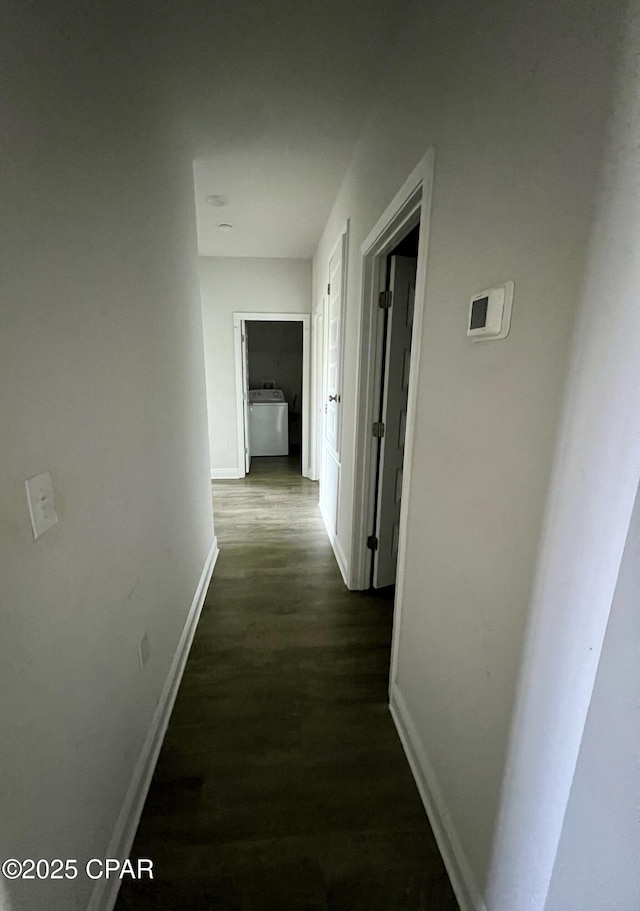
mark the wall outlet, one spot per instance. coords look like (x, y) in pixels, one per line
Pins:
(39, 490)
(144, 649)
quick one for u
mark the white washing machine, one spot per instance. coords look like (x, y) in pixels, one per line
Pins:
(268, 423)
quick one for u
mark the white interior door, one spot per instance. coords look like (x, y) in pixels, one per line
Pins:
(330, 474)
(245, 395)
(394, 417)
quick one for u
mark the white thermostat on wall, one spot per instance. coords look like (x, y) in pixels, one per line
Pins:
(490, 313)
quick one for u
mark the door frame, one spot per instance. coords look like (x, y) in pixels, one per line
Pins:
(239, 320)
(410, 206)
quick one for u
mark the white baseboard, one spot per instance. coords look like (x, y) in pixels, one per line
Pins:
(220, 474)
(341, 560)
(462, 880)
(105, 892)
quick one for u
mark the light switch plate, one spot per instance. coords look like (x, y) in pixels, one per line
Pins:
(40, 499)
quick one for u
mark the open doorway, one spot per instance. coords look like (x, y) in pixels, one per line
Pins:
(274, 361)
(272, 369)
(394, 277)
(397, 302)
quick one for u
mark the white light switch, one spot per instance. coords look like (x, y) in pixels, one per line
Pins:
(40, 499)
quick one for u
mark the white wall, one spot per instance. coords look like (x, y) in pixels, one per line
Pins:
(596, 867)
(513, 98)
(102, 383)
(588, 512)
(240, 285)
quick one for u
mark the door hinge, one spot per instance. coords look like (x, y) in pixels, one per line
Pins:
(384, 300)
(329, 288)
(243, 338)
(246, 451)
(378, 429)
(372, 542)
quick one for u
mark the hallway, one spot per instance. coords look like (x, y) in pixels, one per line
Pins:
(282, 783)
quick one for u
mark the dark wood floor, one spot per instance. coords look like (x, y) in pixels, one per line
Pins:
(282, 785)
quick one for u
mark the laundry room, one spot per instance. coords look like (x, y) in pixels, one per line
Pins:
(274, 356)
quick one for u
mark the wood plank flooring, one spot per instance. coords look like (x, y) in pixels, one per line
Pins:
(282, 785)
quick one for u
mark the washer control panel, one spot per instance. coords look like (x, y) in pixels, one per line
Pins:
(266, 396)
